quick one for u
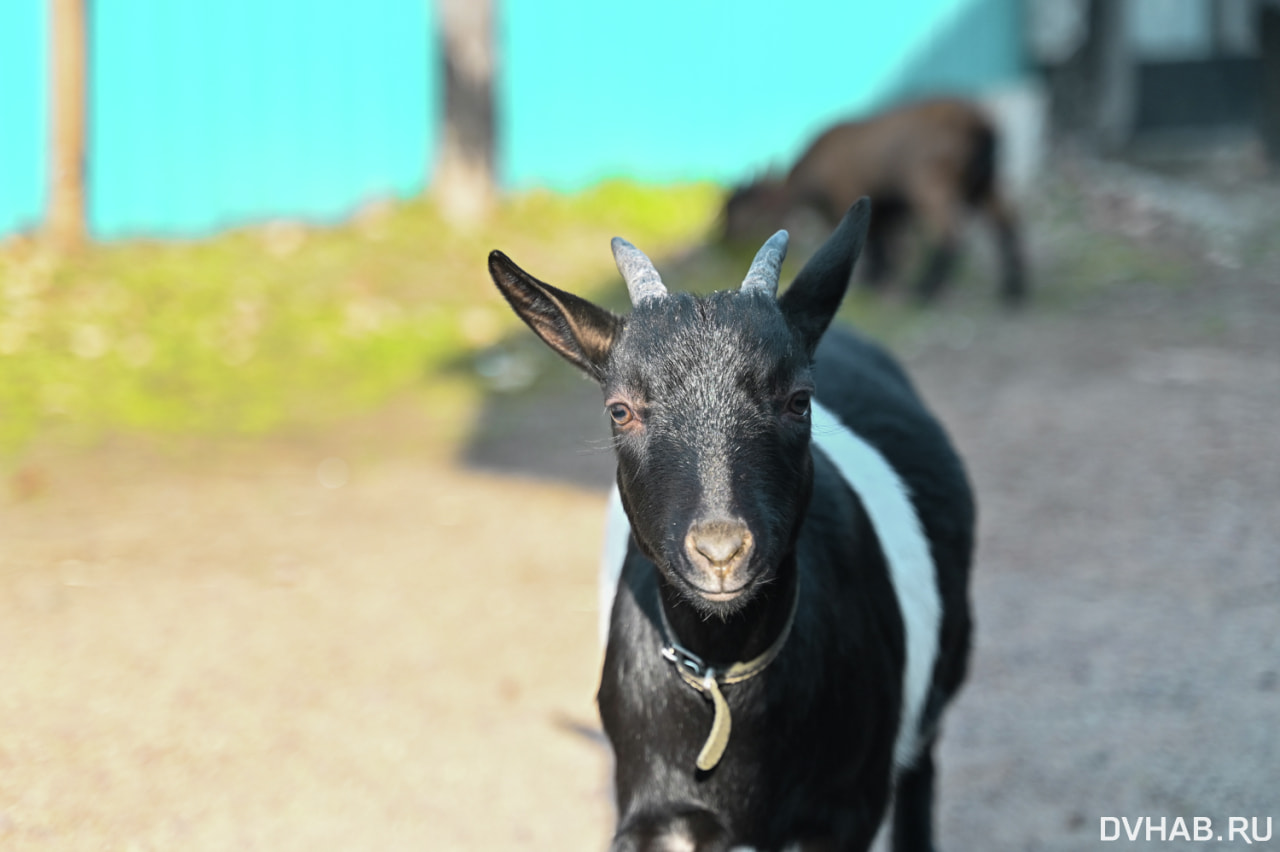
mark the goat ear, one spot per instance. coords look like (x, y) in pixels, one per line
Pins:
(813, 298)
(582, 332)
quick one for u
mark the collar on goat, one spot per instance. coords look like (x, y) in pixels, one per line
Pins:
(708, 680)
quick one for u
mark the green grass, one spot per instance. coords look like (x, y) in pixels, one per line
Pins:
(283, 324)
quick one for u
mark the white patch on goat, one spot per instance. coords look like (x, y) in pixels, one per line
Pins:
(676, 840)
(888, 503)
(617, 532)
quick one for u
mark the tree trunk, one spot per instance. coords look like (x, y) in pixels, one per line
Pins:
(65, 216)
(464, 175)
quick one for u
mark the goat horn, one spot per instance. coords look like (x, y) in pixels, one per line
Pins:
(765, 269)
(643, 281)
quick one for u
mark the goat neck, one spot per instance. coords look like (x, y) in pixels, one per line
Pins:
(736, 637)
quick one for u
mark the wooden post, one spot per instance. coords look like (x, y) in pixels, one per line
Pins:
(65, 216)
(1093, 84)
(1117, 77)
(464, 176)
(1269, 46)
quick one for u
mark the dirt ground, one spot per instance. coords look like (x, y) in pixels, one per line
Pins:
(353, 641)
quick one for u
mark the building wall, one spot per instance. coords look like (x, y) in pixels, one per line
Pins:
(204, 115)
(212, 114)
(207, 115)
(718, 88)
(24, 134)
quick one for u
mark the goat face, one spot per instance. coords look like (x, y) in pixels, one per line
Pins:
(709, 400)
(709, 403)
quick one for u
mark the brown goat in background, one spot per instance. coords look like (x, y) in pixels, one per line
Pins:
(932, 159)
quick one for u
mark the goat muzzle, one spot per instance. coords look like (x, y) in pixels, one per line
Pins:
(718, 549)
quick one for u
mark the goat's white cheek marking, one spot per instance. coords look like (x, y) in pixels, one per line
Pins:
(617, 532)
(888, 503)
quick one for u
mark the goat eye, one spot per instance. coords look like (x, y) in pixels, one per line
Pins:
(798, 404)
(621, 413)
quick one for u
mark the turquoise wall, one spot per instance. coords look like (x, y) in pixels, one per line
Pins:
(24, 118)
(716, 88)
(212, 114)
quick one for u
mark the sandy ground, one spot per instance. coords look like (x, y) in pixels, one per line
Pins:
(264, 648)
(246, 659)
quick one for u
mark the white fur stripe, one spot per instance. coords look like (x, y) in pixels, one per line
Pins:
(886, 499)
(617, 530)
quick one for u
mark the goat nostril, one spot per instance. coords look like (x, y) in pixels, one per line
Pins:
(720, 543)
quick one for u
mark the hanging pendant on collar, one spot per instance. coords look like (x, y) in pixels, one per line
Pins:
(707, 681)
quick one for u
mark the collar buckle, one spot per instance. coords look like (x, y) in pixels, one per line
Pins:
(688, 662)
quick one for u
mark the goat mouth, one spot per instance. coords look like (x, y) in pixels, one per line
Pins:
(721, 597)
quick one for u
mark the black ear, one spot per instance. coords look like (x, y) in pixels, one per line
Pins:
(580, 331)
(813, 298)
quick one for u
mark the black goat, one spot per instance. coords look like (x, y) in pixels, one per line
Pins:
(792, 612)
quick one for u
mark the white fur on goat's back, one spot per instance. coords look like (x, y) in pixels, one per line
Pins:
(617, 531)
(888, 503)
